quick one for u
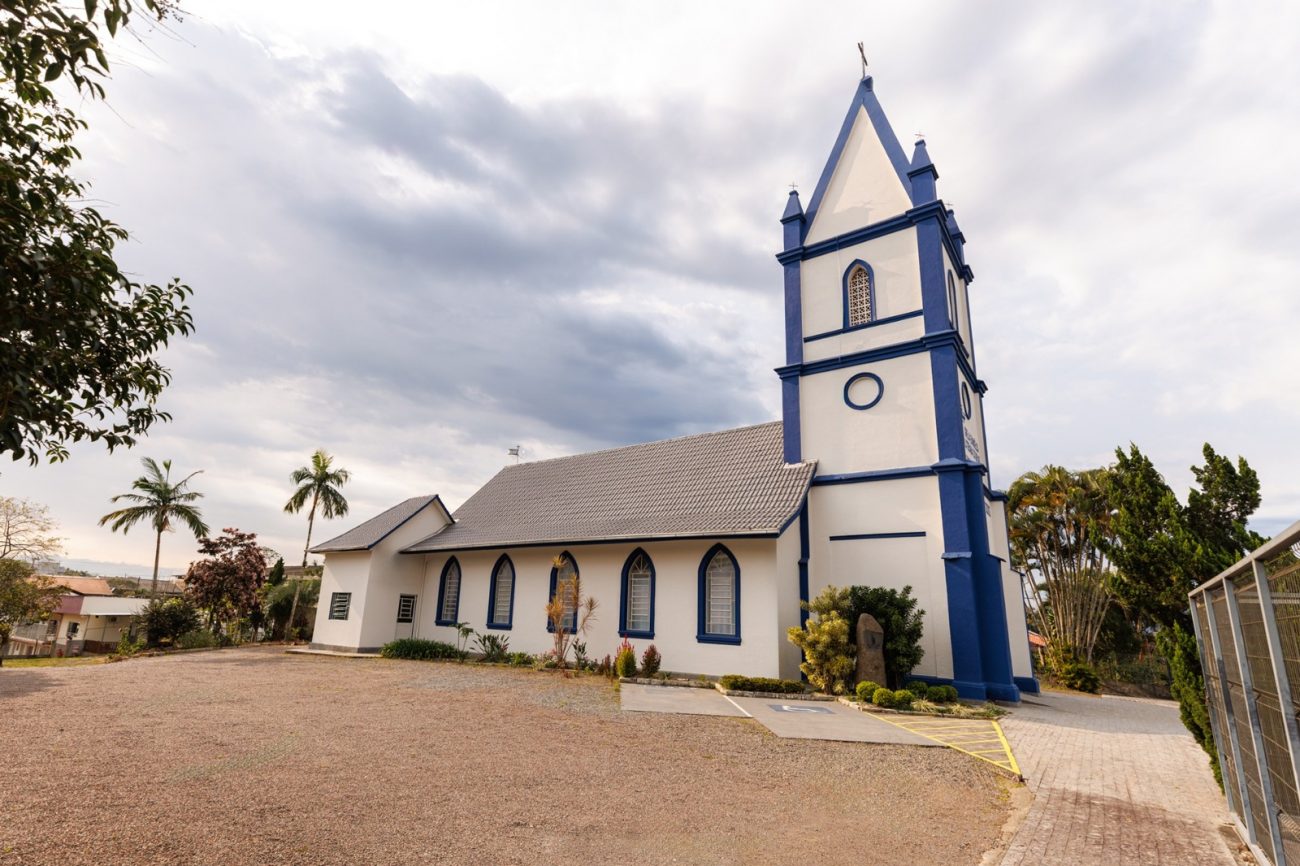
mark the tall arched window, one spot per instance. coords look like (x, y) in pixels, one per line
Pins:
(953, 317)
(449, 593)
(565, 574)
(637, 599)
(501, 595)
(719, 597)
(858, 297)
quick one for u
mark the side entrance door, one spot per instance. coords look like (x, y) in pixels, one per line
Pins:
(405, 616)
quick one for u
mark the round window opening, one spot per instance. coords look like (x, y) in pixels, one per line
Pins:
(863, 391)
(965, 401)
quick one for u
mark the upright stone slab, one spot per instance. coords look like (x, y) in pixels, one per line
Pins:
(871, 650)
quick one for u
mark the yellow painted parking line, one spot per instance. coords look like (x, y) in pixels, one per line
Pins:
(968, 736)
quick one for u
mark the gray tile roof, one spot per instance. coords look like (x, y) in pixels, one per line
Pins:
(376, 529)
(734, 482)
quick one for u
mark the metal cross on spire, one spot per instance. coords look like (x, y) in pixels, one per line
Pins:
(862, 52)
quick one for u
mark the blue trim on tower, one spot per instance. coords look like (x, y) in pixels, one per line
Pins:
(492, 593)
(701, 635)
(804, 554)
(928, 342)
(864, 98)
(623, 630)
(573, 624)
(873, 323)
(442, 593)
(858, 377)
(862, 536)
(871, 292)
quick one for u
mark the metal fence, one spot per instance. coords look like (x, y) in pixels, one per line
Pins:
(1248, 627)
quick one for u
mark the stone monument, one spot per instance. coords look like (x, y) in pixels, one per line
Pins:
(871, 650)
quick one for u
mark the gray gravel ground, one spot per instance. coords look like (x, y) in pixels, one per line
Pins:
(258, 757)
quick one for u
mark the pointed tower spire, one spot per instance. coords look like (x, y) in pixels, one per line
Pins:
(959, 239)
(793, 220)
(923, 175)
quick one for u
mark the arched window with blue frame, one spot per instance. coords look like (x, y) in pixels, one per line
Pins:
(719, 605)
(636, 607)
(859, 295)
(449, 594)
(953, 316)
(501, 594)
(565, 573)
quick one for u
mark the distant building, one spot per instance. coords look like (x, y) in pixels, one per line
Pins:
(89, 618)
(876, 474)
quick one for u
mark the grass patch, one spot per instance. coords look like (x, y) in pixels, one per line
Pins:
(76, 661)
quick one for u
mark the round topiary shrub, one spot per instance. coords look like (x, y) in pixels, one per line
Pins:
(919, 688)
(941, 695)
(903, 699)
(865, 690)
(883, 698)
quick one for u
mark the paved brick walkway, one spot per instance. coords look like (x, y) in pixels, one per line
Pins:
(1115, 781)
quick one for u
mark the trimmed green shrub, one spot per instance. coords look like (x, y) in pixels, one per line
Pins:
(919, 688)
(895, 610)
(625, 663)
(827, 650)
(883, 697)
(650, 661)
(903, 699)
(865, 690)
(199, 638)
(420, 649)
(941, 695)
(165, 620)
(521, 659)
(1071, 671)
(738, 683)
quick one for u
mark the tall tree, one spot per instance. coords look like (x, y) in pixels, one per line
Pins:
(78, 336)
(26, 531)
(160, 503)
(317, 483)
(24, 598)
(1059, 528)
(226, 583)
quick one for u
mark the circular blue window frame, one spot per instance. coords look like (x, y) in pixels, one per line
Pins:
(966, 409)
(880, 391)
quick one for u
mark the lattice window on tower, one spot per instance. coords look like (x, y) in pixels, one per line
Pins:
(859, 297)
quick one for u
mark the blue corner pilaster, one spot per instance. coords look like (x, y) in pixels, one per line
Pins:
(792, 221)
(995, 649)
(963, 606)
(923, 175)
(804, 553)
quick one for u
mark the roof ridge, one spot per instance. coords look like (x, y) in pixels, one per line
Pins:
(640, 445)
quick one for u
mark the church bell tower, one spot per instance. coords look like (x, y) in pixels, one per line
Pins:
(880, 387)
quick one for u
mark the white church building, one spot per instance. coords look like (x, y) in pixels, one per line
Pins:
(876, 474)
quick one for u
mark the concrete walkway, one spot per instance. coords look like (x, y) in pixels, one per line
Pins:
(1115, 781)
(786, 717)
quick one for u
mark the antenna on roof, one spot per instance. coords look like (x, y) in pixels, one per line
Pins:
(862, 52)
(514, 451)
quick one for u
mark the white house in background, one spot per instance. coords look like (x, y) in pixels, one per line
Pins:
(706, 545)
(89, 618)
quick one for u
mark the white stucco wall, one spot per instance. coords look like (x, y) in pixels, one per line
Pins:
(1012, 592)
(764, 589)
(895, 266)
(898, 431)
(864, 187)
(346, 571)
(901, 505)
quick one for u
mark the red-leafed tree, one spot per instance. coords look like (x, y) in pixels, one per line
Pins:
(226, 583)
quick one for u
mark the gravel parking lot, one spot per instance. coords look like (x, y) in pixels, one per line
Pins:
(253, 756)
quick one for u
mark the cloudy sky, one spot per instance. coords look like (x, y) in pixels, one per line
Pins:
(420, 234)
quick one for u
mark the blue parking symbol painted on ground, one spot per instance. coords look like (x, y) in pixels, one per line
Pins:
(786, 708)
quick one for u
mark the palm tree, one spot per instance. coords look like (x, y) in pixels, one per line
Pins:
(161, 503)
(320, 484)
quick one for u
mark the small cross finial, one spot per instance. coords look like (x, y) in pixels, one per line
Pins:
(920, 136)
(862, 52)
(794, 187)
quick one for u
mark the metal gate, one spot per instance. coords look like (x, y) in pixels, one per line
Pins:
(1248, 627)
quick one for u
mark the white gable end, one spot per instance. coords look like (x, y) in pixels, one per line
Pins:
(864, 188)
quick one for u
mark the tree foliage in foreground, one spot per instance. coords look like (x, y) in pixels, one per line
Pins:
(226, 583)
(78, 335)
